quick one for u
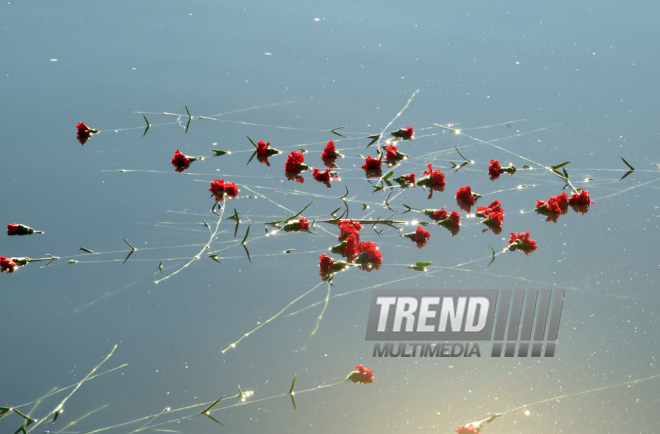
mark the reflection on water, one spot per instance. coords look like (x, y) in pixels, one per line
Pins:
(236, 304)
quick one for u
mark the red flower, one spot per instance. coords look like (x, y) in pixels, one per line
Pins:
(12, 229)
(454, 220)
(439, 214)
(580, 199)
(435, 177)
(323, 177)
(348, 227)
(521, 241)
(368, 255)
(330, 152)
(83, 133)
(410, 178)
(294, 162)
(18, 229)
(180, 161)
(494, 218)
(6, 264)
(351, 247)
(372, 165)
(304, 223)
(494, 169)
(420, 237)
(361, 375)
(555, 207)
(261, 148)
(466, 429)
(221, 189)
(562, 200)
(495, 206)
(326, 263)
(465, 198)
(408, 132)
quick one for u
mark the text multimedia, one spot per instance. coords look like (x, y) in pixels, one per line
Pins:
(390, 349)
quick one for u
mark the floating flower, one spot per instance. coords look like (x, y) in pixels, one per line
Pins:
(392, 153)
(495, 169)
(330, 152)
(432, 178)
(348, 227)
(221, 189)
(554, 207)
(19, 229)
(368, 255)
(301, 224)
(264, 150)
(361, 375)
(453, 220)
(84, 133)
(372, 164)
(406, 180)
(420, 236)
(465, 198)
(182, 162)
(495, 206)
(294, 162)
(494, 220)
(6, 264)
(323, 177)
(521, 241)
(467, 429)
(436, 215)
(405, 133)
(329, 266)
(580, 199)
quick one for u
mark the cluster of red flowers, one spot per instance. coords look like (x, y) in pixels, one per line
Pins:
(349, 227)
(365, 254)
(6, 264)
(558, 205)
(521, 241)
(493, 214)
(221, 189)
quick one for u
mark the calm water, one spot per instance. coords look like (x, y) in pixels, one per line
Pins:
(554, 82)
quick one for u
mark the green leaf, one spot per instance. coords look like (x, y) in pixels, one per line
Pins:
(189, 115)
(251, 141)
(388, 175)
(293, 384)
(629, 166)
(422, 264)
(554, 167)
(459, 153)
(253, 154)
(565, 173)
(218, 152)
(145, 119)
(246, 235)
(84, 250)
(344, 196)
(212, 405)
(129, 244)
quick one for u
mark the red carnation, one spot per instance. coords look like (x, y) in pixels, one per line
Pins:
(453, 220)
(294, 162)
(554, 207)
(330, 152)
(494, 219)
(329, 266)
(6, 264)
(372, 165)
(523, 242)
(350, 247)
(433, 178)
(326, 263)
(323, 177)
(361, 375)
(406, 133)
(410, 178)
(467, 429)
(348, 227)
(391, 151)
(495, 206)
(420, 236)
(84, 133)
(261, 149)
(221, 189)
(406, 180)
(304, 223)
(465, 198)
(19, 229)
(580, 199)
(368, 255)
(438, 214)
(494, 169)
(301, 224)
(182, 162)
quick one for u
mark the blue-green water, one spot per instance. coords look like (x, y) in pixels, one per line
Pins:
(554, 82)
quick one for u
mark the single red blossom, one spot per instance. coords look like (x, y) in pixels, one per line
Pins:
(372, 164)
(410, 178)
(180, 159)
(304, 223)
(329, 266)
(6, 264)
(495, 205)
(261, 148)
(439, 214)
(351, 247)
(221, 189)
(330, 152)
(348, 227)
(408, 132)
(455, 220)
(368, 253)
(523, 242)
(562, 200)
(294, 162)
(494, 169)
(361, 375)
(19, 229)
(420, 237)
(494, 218)
(465, 195)
(580, 199)
(434, 177)
(323, 177)
(391, 152)
(83, 130)
(466, 429)
(12, 229)
(326, 263)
